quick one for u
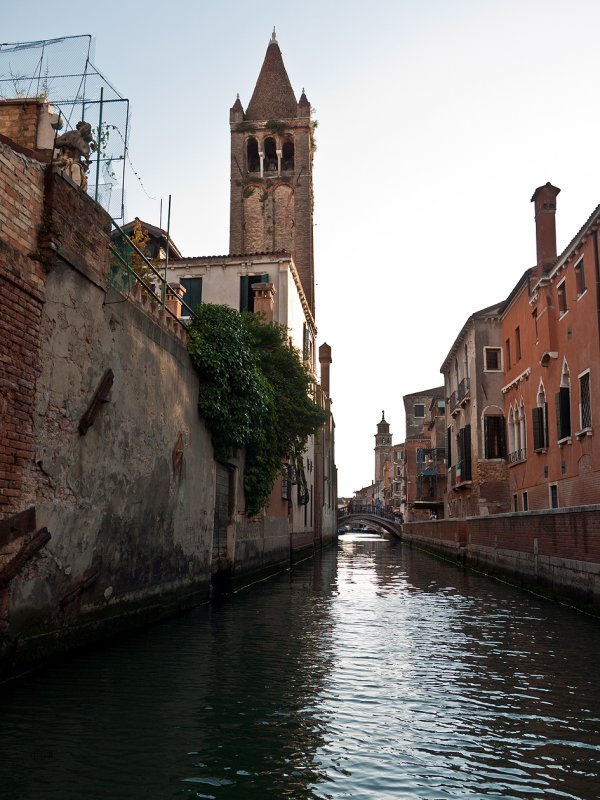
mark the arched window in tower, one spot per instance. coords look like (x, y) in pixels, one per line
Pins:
(287, 155)
(252, 156)
(270, 154)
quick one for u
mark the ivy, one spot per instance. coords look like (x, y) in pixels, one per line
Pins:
(254, 394)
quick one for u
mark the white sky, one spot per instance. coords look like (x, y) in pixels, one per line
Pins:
(437, 120)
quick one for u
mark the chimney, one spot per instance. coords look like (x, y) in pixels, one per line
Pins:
(544, 199)
(325, 361)
(264, 299)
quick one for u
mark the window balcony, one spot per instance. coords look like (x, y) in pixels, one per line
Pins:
(517, 456)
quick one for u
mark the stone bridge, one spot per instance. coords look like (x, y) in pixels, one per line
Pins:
(371, 518)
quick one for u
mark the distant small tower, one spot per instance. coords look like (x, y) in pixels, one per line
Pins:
(271, 171)
(383, 442)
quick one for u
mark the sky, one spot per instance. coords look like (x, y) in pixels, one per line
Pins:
(437, 121)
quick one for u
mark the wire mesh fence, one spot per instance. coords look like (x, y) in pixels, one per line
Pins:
(61, 71)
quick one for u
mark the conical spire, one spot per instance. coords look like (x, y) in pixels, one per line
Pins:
(273, 96)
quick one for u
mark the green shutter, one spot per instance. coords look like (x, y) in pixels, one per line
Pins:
(537, 421)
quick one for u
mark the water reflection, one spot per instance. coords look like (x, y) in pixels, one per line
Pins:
(374, 672)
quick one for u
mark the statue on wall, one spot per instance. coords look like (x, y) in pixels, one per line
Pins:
(74, 149)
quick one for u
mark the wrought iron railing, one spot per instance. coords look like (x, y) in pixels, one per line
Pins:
(517, 455)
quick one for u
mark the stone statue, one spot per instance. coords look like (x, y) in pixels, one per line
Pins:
(74, 149)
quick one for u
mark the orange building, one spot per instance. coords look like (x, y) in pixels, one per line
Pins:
(551, 352)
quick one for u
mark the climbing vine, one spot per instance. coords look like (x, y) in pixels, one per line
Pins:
(254, 394)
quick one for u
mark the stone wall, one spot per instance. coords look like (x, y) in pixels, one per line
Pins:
(104, 525)
(555, 552)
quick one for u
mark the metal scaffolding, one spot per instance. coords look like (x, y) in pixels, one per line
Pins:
(61, 71)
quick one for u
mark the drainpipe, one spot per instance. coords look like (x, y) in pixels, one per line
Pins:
(597, 271)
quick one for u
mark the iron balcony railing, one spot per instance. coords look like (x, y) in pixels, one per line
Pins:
(459, 395)
(464, 389)
(517, 455)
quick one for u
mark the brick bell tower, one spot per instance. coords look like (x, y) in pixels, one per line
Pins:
(383, 442)
(271, 171)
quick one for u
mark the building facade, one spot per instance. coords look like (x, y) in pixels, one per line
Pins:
(475, 424)
(421, 462)
(551, 351)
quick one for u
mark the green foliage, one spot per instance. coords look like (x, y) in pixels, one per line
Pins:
(276, 126)
(254, 394)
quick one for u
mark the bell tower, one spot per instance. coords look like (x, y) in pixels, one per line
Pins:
(271, 206)
(383, 443)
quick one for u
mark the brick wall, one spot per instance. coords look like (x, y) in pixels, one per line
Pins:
(19, 346)
(557, 549)
(21, 200)
(21, 289)
(19, 121)
(84, 246)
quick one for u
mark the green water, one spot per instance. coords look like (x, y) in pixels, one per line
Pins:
(370, 672)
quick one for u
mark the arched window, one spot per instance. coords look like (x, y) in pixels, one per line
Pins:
(270, 154)
(563, 404)
(511, 433)
(287, 156)
(517, 433)
(539, 417)
(522, 430)
(252, 156)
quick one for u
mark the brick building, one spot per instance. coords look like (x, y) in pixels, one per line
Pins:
(551, 349)
(475, 426)
(271, 171)
(424, 491)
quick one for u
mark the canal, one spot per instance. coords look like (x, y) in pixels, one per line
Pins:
(373, 671)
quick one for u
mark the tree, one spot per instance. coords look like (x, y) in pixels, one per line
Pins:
(254, 394)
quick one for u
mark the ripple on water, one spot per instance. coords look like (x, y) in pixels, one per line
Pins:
(382, 674)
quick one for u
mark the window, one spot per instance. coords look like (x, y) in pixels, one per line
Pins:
(515, 502)
(246, 293)
(464, 453)
(525, 501)
(492, 357)
(287, 156)
(561, 291)
(507, 351)
(270, 155)
(539, 417)
(585, 406)
(553, 495)
(419, 410)
(518, 343)
(494, 438)
(580, 277)
(563, 406)
(192, 296)
(448, 447)
(511, 432)
(252, 156)
(534, 314)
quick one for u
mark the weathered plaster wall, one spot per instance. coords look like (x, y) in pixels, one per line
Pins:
(130, 504)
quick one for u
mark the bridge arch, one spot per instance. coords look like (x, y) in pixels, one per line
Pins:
(365, 517)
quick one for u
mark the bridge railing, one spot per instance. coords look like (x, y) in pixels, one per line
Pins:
(368, 509)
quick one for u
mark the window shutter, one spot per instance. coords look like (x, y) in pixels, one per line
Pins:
(448, 447)
(563, 412)
(537, 420)
(486, 438)
(467, 452)
(546, 434)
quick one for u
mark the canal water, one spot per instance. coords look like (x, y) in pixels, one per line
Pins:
(373, 671)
